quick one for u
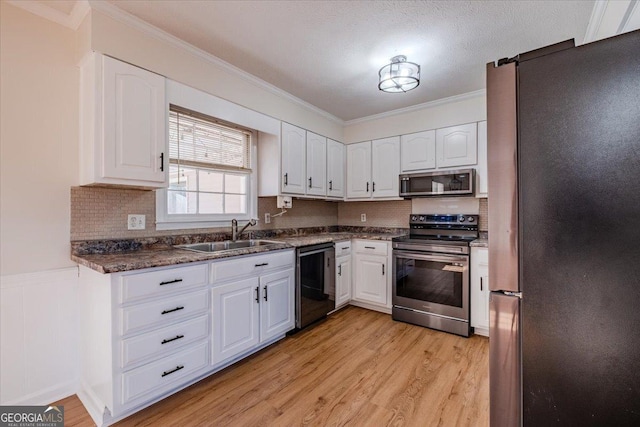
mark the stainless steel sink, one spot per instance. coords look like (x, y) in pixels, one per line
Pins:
(227, 245)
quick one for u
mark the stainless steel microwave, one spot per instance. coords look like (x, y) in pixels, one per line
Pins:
(440, 183)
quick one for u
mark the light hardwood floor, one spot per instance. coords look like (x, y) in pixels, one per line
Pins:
(357, 368)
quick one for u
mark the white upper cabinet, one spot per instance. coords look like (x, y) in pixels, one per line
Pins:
(335, 169)
(457, 146)
(373, 168)
(418, 151)
(385, 167)
(293, 159)
(316, 165)
(123, 124)
(359, 170)
(482, 189)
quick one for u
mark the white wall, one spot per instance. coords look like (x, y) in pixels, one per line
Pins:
(39, 164)
(39, 141)
(456, 110)
(122, 38)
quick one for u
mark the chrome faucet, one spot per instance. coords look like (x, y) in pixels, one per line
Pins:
(234, 228)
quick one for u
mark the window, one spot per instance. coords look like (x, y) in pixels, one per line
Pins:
(210, 175)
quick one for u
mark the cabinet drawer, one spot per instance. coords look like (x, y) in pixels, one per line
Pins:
(370, 247)
(135, 287)
(343, 248)
(157, 376)
(163, 340)
(248, 265)
(161, 312)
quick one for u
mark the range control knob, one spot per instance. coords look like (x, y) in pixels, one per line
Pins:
(461, 219)
(471, 219)
(422, 218)
(414, 217)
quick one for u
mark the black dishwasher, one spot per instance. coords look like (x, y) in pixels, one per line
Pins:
(315, 283)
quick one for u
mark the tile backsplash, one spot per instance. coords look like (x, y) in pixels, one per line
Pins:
(101, 213)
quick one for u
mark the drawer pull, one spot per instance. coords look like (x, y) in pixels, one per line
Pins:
(369, 247)
(165, 373)
(170, 282)
(345, 248)
(177, 337)
(172, 310)
(262, 265)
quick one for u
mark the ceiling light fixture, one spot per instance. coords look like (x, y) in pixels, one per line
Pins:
(399, 75)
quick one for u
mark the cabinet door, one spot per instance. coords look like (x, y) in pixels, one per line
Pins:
(385, 167)
(133, 123)
(343, 280)
(335, 169)
(370, 280)
(480, 290)
(456, 146)
(316, 164)
(482, 189)
(359, 170)
(293, 159)
(418, 151)
(277, 306)
(235, 309)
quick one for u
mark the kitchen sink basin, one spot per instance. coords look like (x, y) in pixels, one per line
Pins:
(227, 245)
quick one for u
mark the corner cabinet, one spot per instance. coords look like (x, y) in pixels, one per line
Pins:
(373, 168)
(148, 333)
(123, 124)
(480, 290)
(372, 275)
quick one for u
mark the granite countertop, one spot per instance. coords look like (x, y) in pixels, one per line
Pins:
(480, 243)
(164, 255)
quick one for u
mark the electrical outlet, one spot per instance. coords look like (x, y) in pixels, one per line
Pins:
(267, 218)
(135, 222)
(363, 217)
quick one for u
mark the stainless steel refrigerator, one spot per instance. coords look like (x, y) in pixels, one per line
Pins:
(564, 235)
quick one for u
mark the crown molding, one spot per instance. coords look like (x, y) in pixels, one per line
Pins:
(155, 32)
(631, 16)
(40, 8)
(610, 18)
(430, 104)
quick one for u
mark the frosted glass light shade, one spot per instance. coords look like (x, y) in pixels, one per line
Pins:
(399, 75)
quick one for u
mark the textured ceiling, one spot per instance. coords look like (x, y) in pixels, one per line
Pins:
(328, 53)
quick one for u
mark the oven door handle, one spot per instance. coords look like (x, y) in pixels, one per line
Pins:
(431, 257)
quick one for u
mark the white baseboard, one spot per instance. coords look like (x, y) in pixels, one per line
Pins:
(46, 397)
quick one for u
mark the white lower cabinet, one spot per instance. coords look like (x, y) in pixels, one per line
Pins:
(372, 275)
(480, 290)
(249, 312)
(149, 333)
(343, 273)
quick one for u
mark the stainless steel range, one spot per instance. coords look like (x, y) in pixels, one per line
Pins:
(431, 272)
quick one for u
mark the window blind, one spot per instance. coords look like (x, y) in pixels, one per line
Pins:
(199, 140)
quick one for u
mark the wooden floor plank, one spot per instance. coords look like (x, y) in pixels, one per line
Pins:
(357, 368)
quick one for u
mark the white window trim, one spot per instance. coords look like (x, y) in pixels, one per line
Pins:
(205, 103)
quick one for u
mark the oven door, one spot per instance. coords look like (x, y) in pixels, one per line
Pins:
(431, 282)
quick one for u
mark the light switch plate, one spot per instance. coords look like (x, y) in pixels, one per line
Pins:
(135, 222)
(363, 217)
